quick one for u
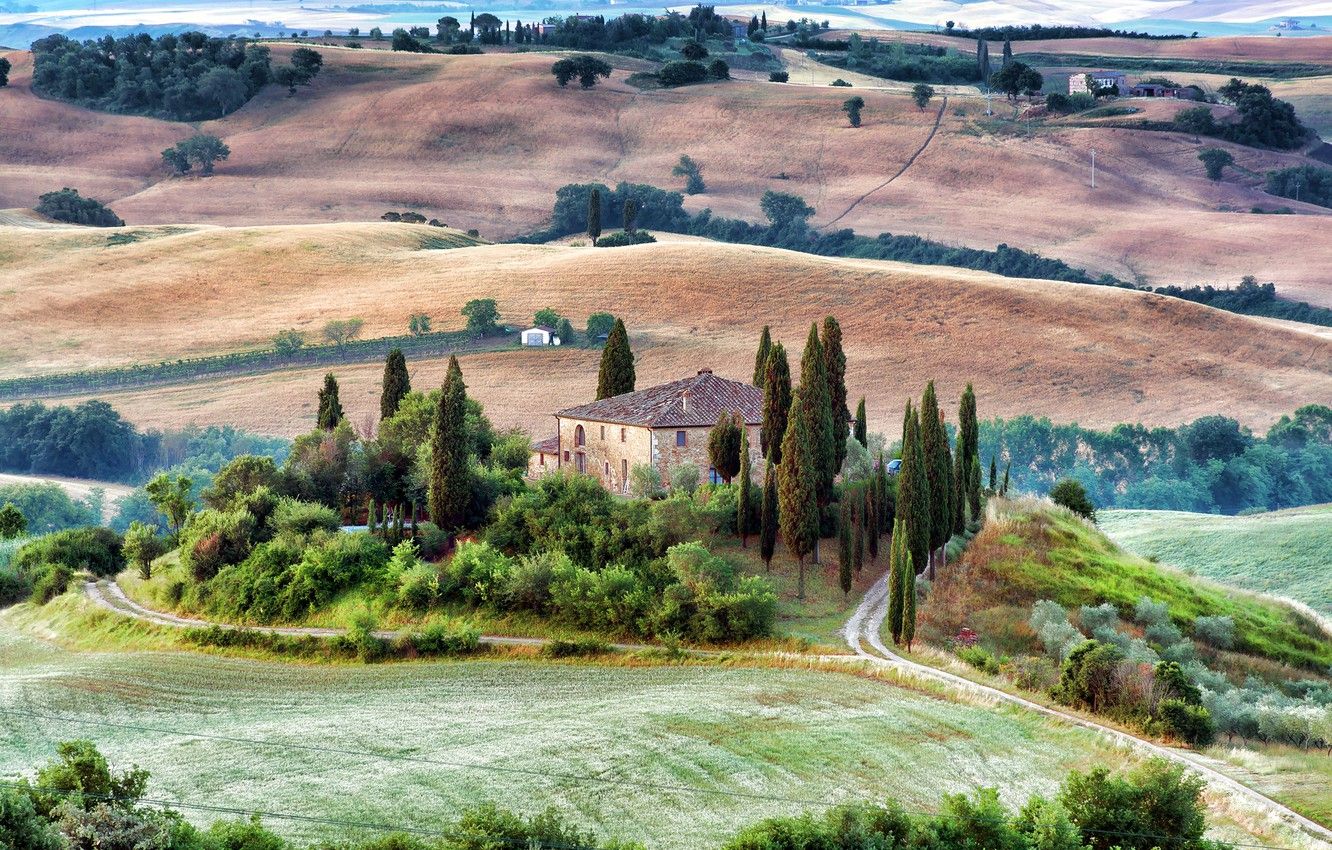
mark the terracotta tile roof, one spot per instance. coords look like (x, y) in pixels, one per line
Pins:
(548, 446)
(688, 403)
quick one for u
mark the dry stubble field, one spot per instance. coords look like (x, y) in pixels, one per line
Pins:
(484, 141)
(1072, 352)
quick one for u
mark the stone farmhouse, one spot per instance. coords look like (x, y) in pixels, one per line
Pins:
(1080, 83)
(661, 426)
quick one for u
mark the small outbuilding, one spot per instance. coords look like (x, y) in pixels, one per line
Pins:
(540, 335)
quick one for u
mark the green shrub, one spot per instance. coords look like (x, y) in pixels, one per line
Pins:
(45, 566)
(778, 76)
(69, 206)
(840, 83)
(441, 640)
(215, 539)
(682, 73)
(622, 238)
(980, 658)
(297, 517)
(1071, 494)
(431, 541)
(330, 567)
(477, 574)
(1218, 632)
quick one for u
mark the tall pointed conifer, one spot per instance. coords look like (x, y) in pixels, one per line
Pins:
(834, 368)
(761, 358)
(776, 403)
(396, 383)
(616, 374)
(797, 502)
(450, 475)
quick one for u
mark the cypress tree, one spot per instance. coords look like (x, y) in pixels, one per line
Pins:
(1004, 489)
(974, 490)
(761, 359)
(899, 556)
(370, 515)
(594, 215)
(616, 374)
(396, 384)
(724, 445)
(959, 501)
(1008, 52)
(908, 605)
(845, 544)
(768, 517)
(938, 469)
(776, 403)
(885, 499)
(862, 424)
(817, 405)
(913, 493)
(871, 522)
(330, 409)
(743, 520)
(968, 427)
(834, 367)
(861, 520)
(450, 478)
(992, 473)
(763, 22)
(983, 60)
(797, 503)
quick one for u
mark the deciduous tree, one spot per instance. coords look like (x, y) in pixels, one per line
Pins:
(852, 107)
(922, 93)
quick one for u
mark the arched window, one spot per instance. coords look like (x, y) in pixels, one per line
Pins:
(580, 439)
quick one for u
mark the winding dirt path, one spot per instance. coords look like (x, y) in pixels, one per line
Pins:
(108, 595)
(938, 119)
(866, 624)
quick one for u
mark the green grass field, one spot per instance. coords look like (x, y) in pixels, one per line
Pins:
(807, 736)
(1287, 553)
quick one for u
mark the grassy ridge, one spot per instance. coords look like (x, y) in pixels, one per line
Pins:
(1033, 552)
(1288, 553)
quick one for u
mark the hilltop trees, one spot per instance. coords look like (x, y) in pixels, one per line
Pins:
(616, 374)
(482, 316)
(776, 403)
(396, 383)
(202, 150)
(586, 68)
(450, 477)
(852, 106)
(69, 206)
(692, 172)
(330, 408)
(1215, 160)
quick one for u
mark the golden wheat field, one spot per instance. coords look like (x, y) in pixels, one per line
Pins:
(1073, 352)
(484, 142)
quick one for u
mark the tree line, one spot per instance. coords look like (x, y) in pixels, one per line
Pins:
(78, 800)
(185, 77)
(1210, 465)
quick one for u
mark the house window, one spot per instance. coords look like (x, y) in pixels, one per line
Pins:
(606, 469)
(624, 473)
(566, 455)
(580, 438)
(542, 462)
(713, 477)
(622, 432)
(603, 432)
(680, 439)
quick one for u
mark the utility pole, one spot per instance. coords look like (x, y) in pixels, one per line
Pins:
(1093, 151)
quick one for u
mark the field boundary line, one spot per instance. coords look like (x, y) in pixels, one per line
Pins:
(938, 119)
(866, 624)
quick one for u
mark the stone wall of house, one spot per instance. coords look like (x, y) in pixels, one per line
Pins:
(666, 454)
(610, 451)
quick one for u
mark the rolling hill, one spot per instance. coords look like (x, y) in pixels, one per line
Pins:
(1097, 355)
(484, 141)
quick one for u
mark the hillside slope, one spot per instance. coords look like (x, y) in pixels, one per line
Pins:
(1287, 553)
(484, 142)
(1073, 352)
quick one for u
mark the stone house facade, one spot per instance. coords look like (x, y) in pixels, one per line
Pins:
(661, 426)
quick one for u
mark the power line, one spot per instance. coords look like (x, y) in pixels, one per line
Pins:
(521, 771)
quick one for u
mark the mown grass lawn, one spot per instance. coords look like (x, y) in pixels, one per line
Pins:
(810, 737)
(1288, 553)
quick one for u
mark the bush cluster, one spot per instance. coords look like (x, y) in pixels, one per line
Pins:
(69, 206)
(43, 567)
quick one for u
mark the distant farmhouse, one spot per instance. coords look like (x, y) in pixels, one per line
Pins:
(1118, 84)
(539, 335)
(660, 426)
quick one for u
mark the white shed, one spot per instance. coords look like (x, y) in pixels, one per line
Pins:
(540, 335)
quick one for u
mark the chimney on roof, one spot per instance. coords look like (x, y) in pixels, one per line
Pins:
(684, 400)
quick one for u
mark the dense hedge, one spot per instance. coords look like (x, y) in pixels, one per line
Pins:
(43, 568)
(69, 206)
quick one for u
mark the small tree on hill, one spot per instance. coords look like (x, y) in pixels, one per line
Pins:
(1215, 161)
(342, 331)
(418, 325)
(719, 70)
(1016, 78)
(783, 208)
(599, 325)
(691, 172)
(1071, 494)
(12, 522)
(203, 150)
(852, 106)
(616, 373)
(586, 68)
(482, 316)
(922, 94)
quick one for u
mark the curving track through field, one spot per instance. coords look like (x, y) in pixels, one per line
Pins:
(866, 624)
